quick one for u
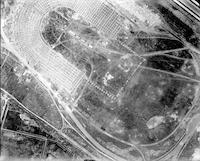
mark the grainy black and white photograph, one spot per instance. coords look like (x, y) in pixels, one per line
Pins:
(100, 80)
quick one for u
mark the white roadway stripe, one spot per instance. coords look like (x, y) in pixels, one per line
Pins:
(192, 6)
(195, 2)
(103, 16)
(92, 10)
(68, 72)
(56, 76)
(42, 6)
(183, 6)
